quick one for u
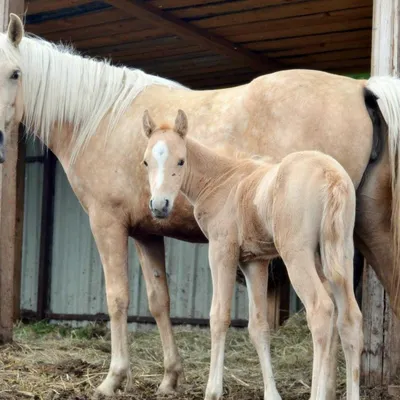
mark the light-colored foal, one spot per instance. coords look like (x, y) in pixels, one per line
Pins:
(300, 209)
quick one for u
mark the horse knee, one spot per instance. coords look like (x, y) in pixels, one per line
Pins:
(219, 322)
(117, 305)
(258, 328)
(319, 317)
(350, 329)
(159, 303)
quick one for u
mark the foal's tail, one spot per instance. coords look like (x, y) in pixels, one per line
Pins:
(338, 199)
(385, 103)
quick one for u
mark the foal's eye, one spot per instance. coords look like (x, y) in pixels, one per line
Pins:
(181, 162)
(145, 163)
(15, 75)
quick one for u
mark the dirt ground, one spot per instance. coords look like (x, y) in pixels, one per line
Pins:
(57, 362)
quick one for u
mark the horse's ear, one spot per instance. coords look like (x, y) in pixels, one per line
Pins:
(181, 124)
(15, 31)
(148, 124)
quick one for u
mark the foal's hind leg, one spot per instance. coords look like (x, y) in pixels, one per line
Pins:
(256, 275)
(151, 254)
(350, 327)
(320, 312)
(112, 242)
(333, 350)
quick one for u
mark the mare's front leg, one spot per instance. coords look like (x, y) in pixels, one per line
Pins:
(151, 253)
(112, 242)
(223, 258)
(256, 274)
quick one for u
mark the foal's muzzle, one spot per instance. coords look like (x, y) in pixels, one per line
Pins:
(159, 208)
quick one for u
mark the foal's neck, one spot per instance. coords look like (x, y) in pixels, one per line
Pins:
(204, 168)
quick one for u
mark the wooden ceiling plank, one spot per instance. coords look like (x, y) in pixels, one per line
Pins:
(324, 47)
(155, 55)
(290, 43)
(230, 7)
(237, 5)
(140, 46)
(218, 44)
(176, 72)
(290, 32)
(76, 22)
(330, 56)
(39, 6)
(296, 22)
(129, 25)
(278, 12)
(119, 39)
(181, 3)
(342, 64)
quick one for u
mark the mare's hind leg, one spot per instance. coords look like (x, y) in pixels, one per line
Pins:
(320, 312)
(112, 242)
(151, 255)
(256, 275)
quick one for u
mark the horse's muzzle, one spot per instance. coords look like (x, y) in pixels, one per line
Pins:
(159, 208)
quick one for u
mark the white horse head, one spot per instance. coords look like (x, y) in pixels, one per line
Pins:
(11, 102)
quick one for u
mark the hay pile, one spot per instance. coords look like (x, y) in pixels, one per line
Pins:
(56, 362)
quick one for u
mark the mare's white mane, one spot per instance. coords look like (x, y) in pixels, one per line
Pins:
(62, 87)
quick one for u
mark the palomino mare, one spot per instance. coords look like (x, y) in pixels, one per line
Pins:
(89, 114)
(252, 212)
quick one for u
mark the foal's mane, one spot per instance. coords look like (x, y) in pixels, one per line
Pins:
(62, 87)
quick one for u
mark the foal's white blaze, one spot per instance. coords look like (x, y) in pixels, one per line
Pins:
(160, 153)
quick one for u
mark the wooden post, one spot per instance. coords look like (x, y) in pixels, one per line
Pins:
(381, 358)
(10, 215)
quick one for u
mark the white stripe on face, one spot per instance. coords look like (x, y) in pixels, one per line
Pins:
(160, 153)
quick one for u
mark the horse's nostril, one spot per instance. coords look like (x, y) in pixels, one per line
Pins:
(166, 202)
(151, 203)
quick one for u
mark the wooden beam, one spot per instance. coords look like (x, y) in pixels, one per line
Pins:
(10, 215)
(381, 357)
(19, 221)
(170, 23)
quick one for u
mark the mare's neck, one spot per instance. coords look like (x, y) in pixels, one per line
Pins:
(204, 168)
(68, 99)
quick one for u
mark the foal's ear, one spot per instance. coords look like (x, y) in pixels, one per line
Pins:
(181, 124)
(15, 31)
(148, 124)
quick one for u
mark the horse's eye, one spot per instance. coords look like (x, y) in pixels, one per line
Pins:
(145, 163)
(181, 162)
(15, 75)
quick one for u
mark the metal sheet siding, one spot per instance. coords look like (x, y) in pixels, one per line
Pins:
(32, 220)
(77, 282)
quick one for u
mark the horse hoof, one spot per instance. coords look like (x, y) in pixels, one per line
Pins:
(103, 391)
(166, 390)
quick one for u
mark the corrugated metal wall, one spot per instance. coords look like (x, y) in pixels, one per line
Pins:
(32, 218)
(77, 282)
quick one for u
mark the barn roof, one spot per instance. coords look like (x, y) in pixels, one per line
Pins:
(212, 43)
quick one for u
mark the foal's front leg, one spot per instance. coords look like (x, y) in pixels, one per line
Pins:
(223, 260)
(151, 253)
(112, 242)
